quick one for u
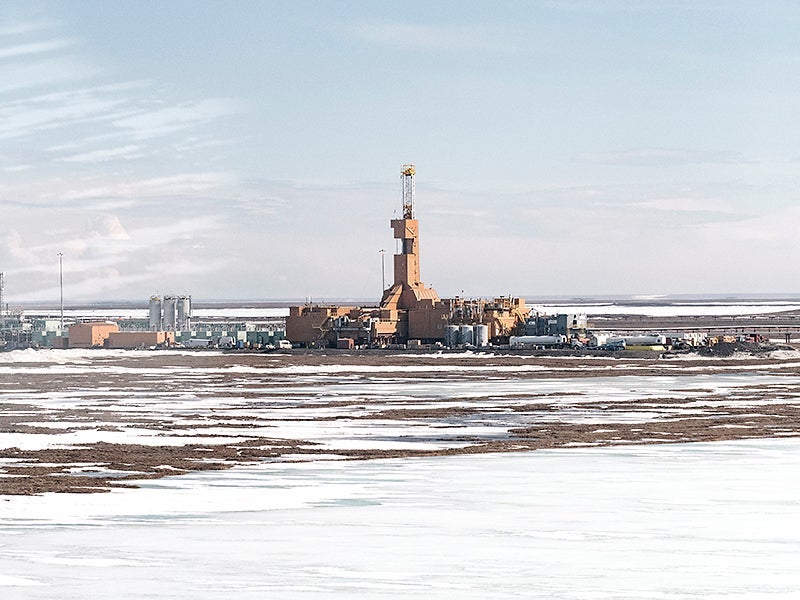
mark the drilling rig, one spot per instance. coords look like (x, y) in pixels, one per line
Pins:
(407, 289)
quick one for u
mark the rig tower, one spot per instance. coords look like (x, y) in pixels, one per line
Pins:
(407, 289)
(407, 174)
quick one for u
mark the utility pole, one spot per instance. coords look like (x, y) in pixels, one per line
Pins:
(382, 252)
(2, 298)
(61, 285)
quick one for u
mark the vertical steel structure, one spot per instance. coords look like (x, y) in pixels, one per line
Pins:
(408, 173)
(382, 252)
(61, 285)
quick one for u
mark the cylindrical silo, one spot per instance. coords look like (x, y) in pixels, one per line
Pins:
(155, 313)
(481, 335)
(170, 312)
(451, 336)
(465, 333)
(184, 304)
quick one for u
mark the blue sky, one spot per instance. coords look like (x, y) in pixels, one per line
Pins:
(252, 149)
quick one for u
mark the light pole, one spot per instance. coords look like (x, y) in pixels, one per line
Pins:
(383, 268)
(61, 285)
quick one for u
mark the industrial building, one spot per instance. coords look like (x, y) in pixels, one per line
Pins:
(569, 325)
(138, 339)
(409, 312)
(90, 335)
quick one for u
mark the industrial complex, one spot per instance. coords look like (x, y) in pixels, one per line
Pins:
(167, 323)
(409, 315)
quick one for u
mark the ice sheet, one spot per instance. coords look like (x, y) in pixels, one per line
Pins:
(706, 521)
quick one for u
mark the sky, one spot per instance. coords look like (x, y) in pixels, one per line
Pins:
(252, 149)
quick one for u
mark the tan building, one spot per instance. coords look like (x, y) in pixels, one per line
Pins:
(139, 339)
(90, 335)
(309, 324)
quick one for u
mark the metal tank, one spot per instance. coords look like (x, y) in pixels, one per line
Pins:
(184, 310)
(480, 335)
(451, 336)
(155, 313)
(170, 307)
(523, 341)
(465, 334)
(642, 340)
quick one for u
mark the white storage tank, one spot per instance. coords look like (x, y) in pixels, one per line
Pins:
(481, 335)
(184, 310)
(598, 339)
(641, 340)
(465, 334)
(170, 312)
(528, 341)
(451, 336)
(155, 313)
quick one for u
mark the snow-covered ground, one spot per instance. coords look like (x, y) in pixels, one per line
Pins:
(669, 521)
(139, 397)
(712, 520)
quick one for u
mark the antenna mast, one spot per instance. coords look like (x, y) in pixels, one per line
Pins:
(408, 173)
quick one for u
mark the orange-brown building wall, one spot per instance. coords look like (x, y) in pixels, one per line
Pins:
(304, 323)
(427, 324)
(90, 335)
(135, 339)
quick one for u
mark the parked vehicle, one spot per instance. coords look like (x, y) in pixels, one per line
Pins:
(614, 346)
(197, 343)
(226, 341)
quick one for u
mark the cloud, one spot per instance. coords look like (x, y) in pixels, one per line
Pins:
(109, 226)
(127, 152)
(776, 228)
(660, 157)
(21, 28)
(433, 37)
(158, 122)
(598, 6)
(49, 102)
(685, 204)
(34, 48)
(171, 185)
(26, 119)
(12, 244)
(17, 168)
(64, 70)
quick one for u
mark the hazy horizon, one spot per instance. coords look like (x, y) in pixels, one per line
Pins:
(530, 299)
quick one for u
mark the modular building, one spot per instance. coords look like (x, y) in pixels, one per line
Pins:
(90, 335)
(561, 324)
(139, 339)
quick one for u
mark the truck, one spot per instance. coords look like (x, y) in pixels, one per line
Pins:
(534, 341)
(197, 343)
